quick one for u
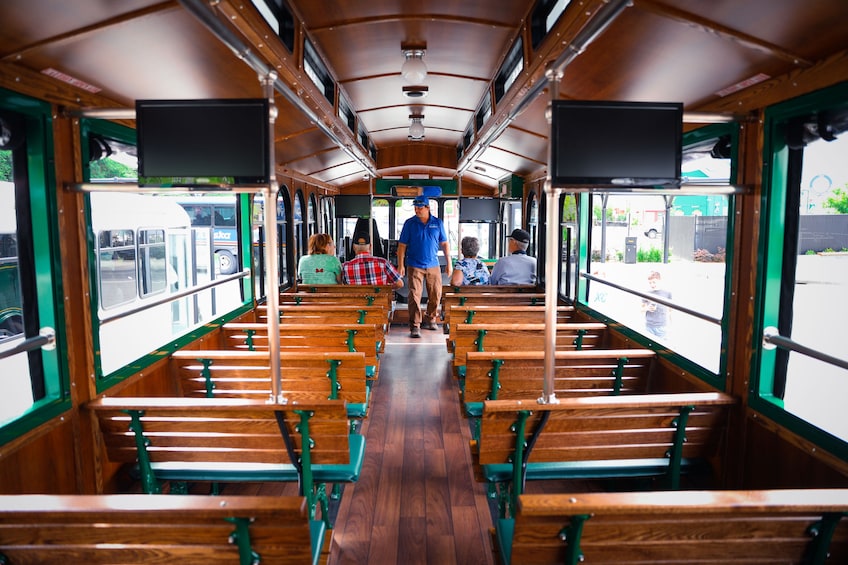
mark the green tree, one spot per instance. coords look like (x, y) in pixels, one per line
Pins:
(6, 165)
(839, 201)
(108, 169)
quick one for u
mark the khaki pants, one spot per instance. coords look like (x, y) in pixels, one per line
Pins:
(417, 278)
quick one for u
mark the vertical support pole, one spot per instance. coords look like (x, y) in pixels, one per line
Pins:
(552, 258)
(272, 276)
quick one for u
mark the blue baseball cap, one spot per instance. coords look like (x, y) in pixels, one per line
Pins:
(421, 201)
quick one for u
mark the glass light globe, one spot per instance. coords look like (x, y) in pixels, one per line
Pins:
(414, 70)
(416, 130)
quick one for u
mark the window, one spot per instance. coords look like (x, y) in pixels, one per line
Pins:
(116, 267)
(805, 249)
(545, 15)
(511, 68)
(314, 68)
(346, 114)
(668, 246)
(484, 113)
(279, 17)
(33, 386)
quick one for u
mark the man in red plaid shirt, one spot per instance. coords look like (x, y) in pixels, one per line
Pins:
(367, 269)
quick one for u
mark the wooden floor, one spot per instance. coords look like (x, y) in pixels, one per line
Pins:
(417, 501)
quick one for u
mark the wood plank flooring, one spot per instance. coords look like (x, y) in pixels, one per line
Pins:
(417, 501)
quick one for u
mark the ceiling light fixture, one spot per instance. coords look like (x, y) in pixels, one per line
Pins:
(414, 71)
(416, 128)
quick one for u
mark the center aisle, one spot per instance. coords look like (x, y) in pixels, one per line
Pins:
(416, 501)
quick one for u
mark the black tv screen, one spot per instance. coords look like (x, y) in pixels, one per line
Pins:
(353, 206)
(478, 210)
(626, 144)
(223, 141)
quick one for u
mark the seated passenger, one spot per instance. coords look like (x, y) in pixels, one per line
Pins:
(321, 266)
(469, 270)
(367, 269)
(517, 267)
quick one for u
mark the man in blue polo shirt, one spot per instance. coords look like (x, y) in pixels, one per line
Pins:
(517, 267)
(418, 257)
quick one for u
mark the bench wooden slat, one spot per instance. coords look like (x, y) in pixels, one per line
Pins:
(247, 373)
(328, 338)
(233, 439)
(637, 435)
(155, 529)
(518, 337)
(520, 374)
(675, 527)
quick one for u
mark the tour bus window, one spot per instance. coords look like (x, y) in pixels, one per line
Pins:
(568, 246)
(153, 272)
(672, 247)
(116, 267)
(312, 215)
(32, 383)
(300, 238)
(806, 243)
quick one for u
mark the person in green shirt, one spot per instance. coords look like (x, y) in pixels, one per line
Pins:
(321, 266)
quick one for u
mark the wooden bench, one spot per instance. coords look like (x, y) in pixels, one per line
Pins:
(646, 435)
(372, 294)
(233, 440)
(490, 288)
(503, 298)
(376, 315)
(329, 338)
(515, 375)
(506, 314)
(747, 526)
(523, 337)
(143, 528)
(246, 374)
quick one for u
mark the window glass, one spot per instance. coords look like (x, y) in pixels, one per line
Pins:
(808, 246)
(672, 247)
(152, 261)
(116, 267)
(31, 382)
(15, 384)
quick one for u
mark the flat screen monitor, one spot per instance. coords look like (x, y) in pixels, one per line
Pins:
(203, 142)
(478, 210)
(353, 206)
(616, 144)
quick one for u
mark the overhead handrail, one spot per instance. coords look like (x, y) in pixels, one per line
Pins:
(45, 340)
(654, 298)
(175, 296)
(773, 339)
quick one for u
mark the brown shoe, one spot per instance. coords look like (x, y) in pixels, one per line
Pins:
(413, 332)
(428, 325)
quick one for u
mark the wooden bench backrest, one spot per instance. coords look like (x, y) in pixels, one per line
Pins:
(521, 374)
(246, 374)
(143, 528)
(226, 430)
(350, 294)
(602, 428)
(525, 337)
(502, 313)
(328, 338)
(451, 299)
(775, 526)
(324, 313)
(491, 288)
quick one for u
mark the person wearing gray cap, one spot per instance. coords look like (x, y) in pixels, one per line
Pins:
(516, 267)
(418, 256)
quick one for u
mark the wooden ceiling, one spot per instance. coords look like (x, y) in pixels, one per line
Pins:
(692, 51)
